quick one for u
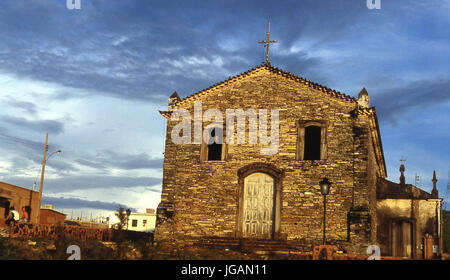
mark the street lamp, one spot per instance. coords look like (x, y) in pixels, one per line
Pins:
(44, 162)
(324, 189)
(128, 216)
(58, 151)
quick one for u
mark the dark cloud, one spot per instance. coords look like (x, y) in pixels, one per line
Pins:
(51, 126)
(109, 159)
(31, 153)
(91, 164)
(18, 143)
(125, 161)
(77, 203)
(71, 183)
(28, 154)
(146, 50)
(26, 106)
(61, 165)
(392, 103)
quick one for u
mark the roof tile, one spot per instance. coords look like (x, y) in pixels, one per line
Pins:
(281, 72)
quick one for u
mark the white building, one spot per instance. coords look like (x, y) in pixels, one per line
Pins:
(142, 221)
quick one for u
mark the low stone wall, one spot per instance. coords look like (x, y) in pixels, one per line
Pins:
(28, 230)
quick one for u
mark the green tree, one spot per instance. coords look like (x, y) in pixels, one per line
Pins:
(123, 218)
(120, 238)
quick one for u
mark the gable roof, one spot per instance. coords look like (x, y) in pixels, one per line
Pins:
(370, 112)
(280, 72)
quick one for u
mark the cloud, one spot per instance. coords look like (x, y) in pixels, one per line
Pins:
(126, 161)
(105, 159)
(26, 155)
(179, 48)
(18, 142)
(77, 203)
(91, 164)
(71, 183)
(26, 106)
(51, 126)
(393, 102)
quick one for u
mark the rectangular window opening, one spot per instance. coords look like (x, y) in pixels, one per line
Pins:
(215, 149)
(312, 143)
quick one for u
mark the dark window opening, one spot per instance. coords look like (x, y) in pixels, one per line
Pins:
(4, 203)
(312, 143)
(215, 149)
(134, 223)
(28, 210)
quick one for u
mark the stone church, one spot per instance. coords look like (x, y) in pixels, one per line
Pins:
(234, 192)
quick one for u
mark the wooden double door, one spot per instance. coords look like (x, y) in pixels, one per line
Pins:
(258, 206)
(402, 239)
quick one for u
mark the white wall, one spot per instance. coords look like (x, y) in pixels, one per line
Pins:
(139, 218)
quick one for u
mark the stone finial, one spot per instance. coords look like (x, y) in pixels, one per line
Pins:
(173, 101)
(434, 192)
(402, 171)
(363, 99)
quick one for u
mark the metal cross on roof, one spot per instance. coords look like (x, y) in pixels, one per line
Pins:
(267, 42)
(402, 160)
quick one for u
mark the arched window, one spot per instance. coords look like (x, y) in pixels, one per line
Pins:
(312, 143)
(311, 140)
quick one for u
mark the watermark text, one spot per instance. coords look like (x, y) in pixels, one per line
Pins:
(373, 4)
(213, 132)
(73, 4)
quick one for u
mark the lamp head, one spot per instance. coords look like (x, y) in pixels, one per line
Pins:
(325, 186)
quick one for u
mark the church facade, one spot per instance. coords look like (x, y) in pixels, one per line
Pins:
(234, 191)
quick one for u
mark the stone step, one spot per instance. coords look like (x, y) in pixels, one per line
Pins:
(253, 244)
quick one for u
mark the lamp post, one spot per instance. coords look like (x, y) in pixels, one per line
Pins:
(128, 216)
(44, 161)
(324, 189)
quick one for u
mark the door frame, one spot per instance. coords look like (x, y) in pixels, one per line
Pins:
(277, 175)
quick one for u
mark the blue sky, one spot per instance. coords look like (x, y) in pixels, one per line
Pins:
(95, 78)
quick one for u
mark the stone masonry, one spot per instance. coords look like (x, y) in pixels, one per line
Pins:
(203, 198)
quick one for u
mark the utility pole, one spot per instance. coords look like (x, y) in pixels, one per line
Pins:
(42, 178)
